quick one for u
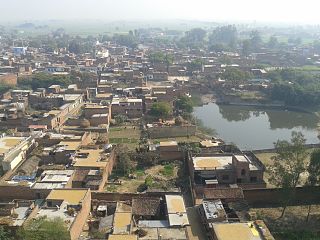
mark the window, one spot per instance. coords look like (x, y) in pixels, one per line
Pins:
(243, 172)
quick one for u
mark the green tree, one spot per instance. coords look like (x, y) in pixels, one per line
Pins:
(184, 104)
(75, 47)
(314, 168)
(289, 164)
(124, 163)
(313, 172)
(196, 35)
(120, 119)
(235, 75)
(273, 42)
(194, 65)
(4, 235)
(43, 80)
(146, 159)
(255, 39)
(226, 36)
(44, 229)
(194, 38)
(160, 109)
(246, 47)
(159, 57)
(126, 40)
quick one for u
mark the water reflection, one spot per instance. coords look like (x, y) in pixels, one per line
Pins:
(278, 118)
(254, 128)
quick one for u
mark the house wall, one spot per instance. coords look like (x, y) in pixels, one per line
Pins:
(81, 218)
(133, 110)
(273, 196)
(88, 112)
(12, 192)
(96, 121)
(171, 155)
(172, 131)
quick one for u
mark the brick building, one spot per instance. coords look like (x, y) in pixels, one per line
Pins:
(130, 107)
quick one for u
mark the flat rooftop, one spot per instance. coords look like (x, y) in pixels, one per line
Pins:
(222, 162)
(175, 204)
(168, 143)
(72, 196)
(69, 145)
(89, 158)
(211, 163)
(239, 231)
(177, 212)
(122, 219)
(123, 237)
(8, 143)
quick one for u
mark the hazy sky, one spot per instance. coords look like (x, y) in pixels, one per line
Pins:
(294, 11)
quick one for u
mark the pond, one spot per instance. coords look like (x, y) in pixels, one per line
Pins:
(253, 128)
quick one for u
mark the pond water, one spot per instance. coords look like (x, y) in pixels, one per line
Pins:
(256, 127)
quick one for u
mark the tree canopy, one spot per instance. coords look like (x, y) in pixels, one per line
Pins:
(314, 168)
(44, 229)
(235, 75)
(124, 163)
(43, 80)
(225, 36)
(295, 87)
(4, 235)
(128, 40)
(288, 165)
(160, 110)
(184, 104)
(195, 65)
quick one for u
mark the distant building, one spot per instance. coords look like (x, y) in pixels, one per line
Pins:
(18, 51)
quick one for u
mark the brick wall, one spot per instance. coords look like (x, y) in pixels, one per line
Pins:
(172, 131)
(12, 192)
(80, 220)
(272, 196)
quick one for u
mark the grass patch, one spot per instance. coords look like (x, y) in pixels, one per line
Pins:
(266, 159)
(167, 170)
(296, 235)
(293, 225)
(122, 140)
(130, 132)
(111, 188)
(190, 139)
(139, 172)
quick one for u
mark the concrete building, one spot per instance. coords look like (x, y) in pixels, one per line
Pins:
(239, 231)
(227, 169)
(177, 213)
(13, 150)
